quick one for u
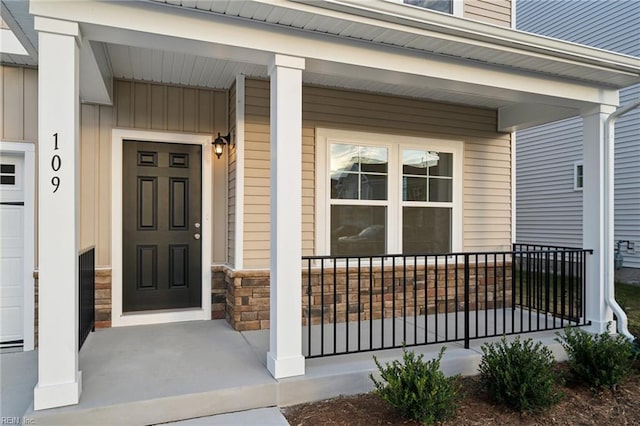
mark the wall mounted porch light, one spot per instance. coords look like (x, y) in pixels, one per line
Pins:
(220, 142)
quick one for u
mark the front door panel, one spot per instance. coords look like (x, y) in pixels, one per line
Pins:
(162, 208)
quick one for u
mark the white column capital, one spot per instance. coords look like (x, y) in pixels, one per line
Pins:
(285, 61)
(56, 26)
(597, 109)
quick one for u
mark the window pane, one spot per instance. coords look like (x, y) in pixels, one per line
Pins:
(358, 230)
(439, 5)
(426, 230)
(373, 187)
(440, 190)
(443, 166)
(414, 162)
(344, 157)
(344, 186)
(373, 159)
(414, 189)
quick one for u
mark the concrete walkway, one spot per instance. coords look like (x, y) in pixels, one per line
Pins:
(165, 373)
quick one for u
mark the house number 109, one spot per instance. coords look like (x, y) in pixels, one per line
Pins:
(56, 163)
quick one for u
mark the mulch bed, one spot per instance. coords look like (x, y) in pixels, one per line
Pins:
(580, 406)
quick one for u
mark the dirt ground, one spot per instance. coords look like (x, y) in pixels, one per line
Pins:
(579, 406)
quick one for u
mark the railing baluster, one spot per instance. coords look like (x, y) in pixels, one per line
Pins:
(435, 297)
(309, 306)
(335, 306)
(466, 301)
(370, 302)
(359, 305)
(346, 321)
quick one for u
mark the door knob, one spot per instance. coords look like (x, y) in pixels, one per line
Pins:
(197, 225)
(196, 236)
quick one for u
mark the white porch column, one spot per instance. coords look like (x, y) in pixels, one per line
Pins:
(597, 222)
(59, 381)
(285, 344)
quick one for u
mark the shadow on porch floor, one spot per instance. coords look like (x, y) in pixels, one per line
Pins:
(160, 373)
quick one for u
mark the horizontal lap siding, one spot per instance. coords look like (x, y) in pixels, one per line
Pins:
(627, 177)
(487, 199)
(231, 220)
(497, 12)
(548, 209)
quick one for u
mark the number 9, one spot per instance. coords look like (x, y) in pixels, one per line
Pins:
(55, 181)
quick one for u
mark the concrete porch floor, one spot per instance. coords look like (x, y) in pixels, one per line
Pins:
(152, 374)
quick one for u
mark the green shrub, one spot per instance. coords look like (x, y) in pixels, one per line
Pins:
(519, 374)
(418, 389)
(601, 360)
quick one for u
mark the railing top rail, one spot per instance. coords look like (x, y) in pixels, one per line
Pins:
(453, 254)
(547, 246)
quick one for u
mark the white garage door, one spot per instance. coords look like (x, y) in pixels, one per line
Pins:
(11, 250)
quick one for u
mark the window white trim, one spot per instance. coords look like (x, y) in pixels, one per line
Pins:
(395, 144)
(576, 166)
(28, 150)
(456, 7)
(118, 318)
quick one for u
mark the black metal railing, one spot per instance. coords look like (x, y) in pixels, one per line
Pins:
(87, 291)
(358, 304)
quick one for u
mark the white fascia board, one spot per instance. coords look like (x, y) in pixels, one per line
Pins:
(10, 44)
(464, 30)
(18, 31)
(148, 25)
(96, 85)
(522, 116)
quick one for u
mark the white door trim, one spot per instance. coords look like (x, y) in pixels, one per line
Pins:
(28, 150)
(204, 312)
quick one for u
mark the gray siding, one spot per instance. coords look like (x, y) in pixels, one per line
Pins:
(548, 209)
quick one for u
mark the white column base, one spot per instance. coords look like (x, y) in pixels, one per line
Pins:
(599, 327)
(285, 367)
(57, 395)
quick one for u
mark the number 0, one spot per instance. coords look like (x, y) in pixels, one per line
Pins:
(56, 162)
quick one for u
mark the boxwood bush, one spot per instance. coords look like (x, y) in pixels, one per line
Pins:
(417, 389)
(600, 360)
(519, 374)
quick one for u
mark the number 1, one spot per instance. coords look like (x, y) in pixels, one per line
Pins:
(55, 141)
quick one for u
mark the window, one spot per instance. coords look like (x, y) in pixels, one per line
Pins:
(7, 174)
(439, 5)
(379, 194)
(578, 177)
(445, 6)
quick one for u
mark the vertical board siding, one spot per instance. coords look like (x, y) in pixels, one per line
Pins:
(19, 100)
(487, 158)
(143, 106)
(497, 12)
(548, 208)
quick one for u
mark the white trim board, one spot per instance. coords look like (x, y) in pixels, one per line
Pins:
(118, 318)
(28, 150)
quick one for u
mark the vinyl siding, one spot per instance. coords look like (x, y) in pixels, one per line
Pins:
(497, 12)
(19, 101)
(487, 166)
(231, 182)
(548, 209)
(142, 106)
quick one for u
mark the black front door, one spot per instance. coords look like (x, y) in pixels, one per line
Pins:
(162, 208)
